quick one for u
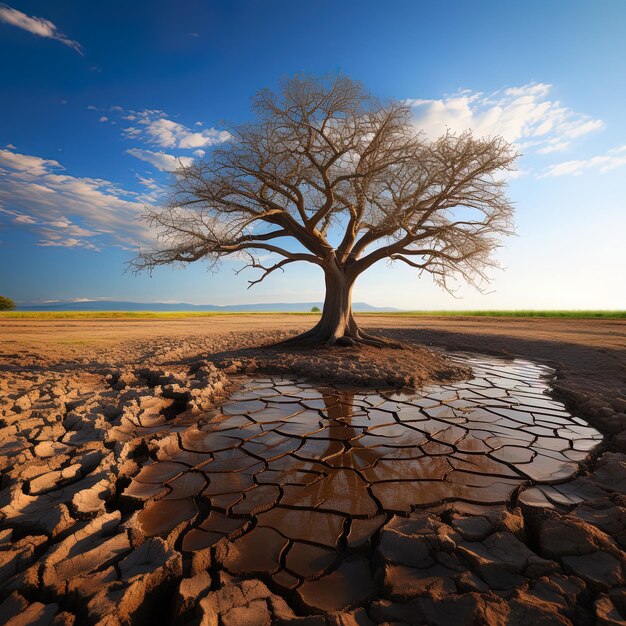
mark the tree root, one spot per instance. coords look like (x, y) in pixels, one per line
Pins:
(313, 338)
(376, 340)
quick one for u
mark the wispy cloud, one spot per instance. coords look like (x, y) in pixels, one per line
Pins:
(162, 161)
(68, 211)
(154, 192)
(601, 164)
(155, 128)
(152, 128)
(524, 115)
(37, 26)
(62, 300)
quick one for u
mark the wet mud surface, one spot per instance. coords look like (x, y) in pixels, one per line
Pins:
(328, 466)
(186, 495)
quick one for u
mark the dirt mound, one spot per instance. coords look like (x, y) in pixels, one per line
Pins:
(362, 366)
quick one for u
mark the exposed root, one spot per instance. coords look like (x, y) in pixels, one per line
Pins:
(352, 338)
(379, 341)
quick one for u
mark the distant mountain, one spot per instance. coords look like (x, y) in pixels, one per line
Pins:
(112, 305)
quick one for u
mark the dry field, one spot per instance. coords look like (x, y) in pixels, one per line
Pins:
(121, 502)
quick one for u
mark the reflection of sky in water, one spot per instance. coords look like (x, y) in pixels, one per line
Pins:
(314, 469)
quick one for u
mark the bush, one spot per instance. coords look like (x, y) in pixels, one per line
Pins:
(6, 304)
(315, 309)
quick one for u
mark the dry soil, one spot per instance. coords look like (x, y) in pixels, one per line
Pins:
(103, 459)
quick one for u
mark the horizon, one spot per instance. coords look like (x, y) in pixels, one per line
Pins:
(50, 305)
(89, 129)
(53, 302)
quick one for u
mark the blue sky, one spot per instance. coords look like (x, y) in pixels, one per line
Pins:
(98, 100)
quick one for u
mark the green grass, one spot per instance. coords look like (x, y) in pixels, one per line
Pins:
(79, 315)
(518, 313)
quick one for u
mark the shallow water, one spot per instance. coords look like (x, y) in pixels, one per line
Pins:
(286, 464)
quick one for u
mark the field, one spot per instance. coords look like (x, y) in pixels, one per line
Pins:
(43, 315)
(126, 496)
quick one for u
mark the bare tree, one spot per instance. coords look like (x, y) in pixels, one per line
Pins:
(329, 175)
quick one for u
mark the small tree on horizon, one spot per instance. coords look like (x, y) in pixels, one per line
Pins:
(315, 309)
(6, 304)
(329, 175)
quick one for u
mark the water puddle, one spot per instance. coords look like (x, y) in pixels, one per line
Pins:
(297, 474)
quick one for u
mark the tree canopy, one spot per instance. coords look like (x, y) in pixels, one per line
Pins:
(6, 304)
(330, 175)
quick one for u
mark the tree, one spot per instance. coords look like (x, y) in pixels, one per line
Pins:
(6, 304)
(329, 175)
(315, 309)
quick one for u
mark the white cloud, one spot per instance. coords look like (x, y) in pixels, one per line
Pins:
(36, 25)
(154, 192)
(25, 219)
(149, 183)
(524, 115)
(155, 128)
(601, 164)
(162, 161)
(63, 242)
(25, 163)
(161, 132)
(69, 211)
(204, 139)
(554, 145)
(53, 301)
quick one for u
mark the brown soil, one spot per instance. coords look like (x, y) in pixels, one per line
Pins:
(92, 413)
(364, 366)
(62, 337)
(589, 355)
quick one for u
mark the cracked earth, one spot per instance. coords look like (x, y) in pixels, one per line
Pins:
(164, 480)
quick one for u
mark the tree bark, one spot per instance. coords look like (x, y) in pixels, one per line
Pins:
(337, 324)
(336, 320)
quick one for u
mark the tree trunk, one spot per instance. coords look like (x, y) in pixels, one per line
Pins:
(337, 324)
(336, 320)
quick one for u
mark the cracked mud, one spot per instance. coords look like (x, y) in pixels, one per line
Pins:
(321, 468)
(187, 497)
